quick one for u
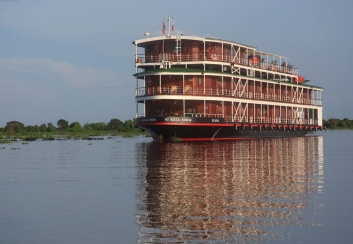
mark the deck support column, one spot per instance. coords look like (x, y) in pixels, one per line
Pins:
(136, 95)
(183, 107)
(204, 54)
(223, 109)
(183, 84)
(137, 110)
(222, 86)
(232, 111)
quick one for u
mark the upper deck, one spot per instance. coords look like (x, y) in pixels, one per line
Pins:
(188, 50)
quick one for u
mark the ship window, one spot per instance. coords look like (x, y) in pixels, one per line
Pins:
(192, 110)
(185, 47)
(171, 47)
(160, 111)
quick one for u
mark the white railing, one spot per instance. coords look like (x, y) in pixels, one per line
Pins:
(197, 91)
(274, 120)
(194, 57)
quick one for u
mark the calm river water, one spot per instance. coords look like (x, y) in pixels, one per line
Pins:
(132, 190)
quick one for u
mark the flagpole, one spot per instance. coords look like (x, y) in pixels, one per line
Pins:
(169, 19)
(169, 26)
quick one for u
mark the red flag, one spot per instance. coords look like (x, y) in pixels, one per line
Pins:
(173, 27)
(163, 29)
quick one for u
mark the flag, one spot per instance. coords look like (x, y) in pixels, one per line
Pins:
(163, 28)
(173, 27)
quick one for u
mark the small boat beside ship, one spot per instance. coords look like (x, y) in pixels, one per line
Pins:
(194, 88)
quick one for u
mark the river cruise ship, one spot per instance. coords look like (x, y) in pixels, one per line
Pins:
(195, 88)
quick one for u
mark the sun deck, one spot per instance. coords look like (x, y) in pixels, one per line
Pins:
(185, 49)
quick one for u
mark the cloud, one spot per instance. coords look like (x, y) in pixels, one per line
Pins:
(88, 22)
(16, 69)
(60, 70)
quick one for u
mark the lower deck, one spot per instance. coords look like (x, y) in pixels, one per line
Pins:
(198, 128)
(233, 111)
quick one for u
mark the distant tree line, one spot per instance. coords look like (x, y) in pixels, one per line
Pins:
(338, 124)
(114, 125)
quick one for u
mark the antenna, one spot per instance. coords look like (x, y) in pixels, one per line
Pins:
(169, 19)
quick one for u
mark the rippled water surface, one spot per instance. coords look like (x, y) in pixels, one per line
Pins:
(133, 190)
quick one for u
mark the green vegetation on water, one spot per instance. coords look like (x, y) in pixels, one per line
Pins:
(2, 141)
(15, 130)
(338, 124)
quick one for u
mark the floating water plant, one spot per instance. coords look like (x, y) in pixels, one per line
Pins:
(5, 141)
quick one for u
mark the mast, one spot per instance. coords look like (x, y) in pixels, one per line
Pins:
(169, 20)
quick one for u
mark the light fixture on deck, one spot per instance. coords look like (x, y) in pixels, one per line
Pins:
(146, 34)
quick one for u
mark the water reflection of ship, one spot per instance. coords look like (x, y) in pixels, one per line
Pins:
(228, 190)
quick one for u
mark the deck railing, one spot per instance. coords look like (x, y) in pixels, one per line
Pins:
(197, 57)
(196, 91)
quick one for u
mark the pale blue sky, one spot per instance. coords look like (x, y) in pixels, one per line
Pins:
(73, 60)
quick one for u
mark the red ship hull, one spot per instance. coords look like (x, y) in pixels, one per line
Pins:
(207, 129)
